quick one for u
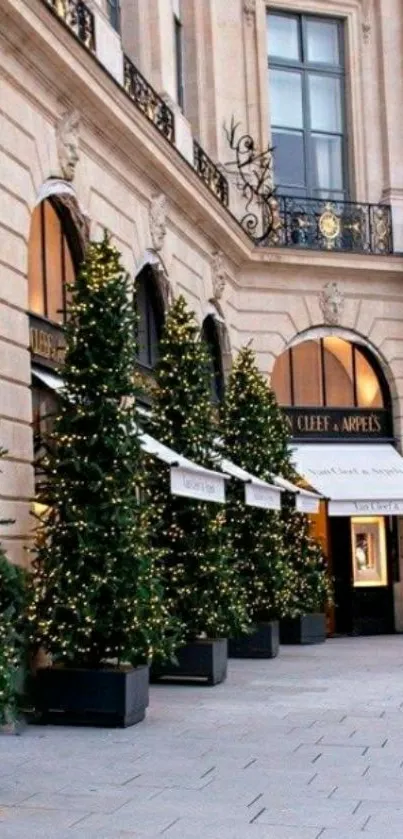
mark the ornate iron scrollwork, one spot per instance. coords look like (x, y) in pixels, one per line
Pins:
(253, 171)
(210, 174)
(78, 17)
(312, 223)
(148, 101)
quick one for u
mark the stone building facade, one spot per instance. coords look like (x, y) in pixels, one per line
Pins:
(121, 118)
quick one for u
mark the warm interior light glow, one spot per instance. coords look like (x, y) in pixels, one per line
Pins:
(368, 546)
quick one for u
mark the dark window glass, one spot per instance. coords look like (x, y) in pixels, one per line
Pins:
(149, 320)
(306, 97)
(180, 93)
(289, 160)
(211, 338)
(44, 410)
(113, 8)
(50, 264)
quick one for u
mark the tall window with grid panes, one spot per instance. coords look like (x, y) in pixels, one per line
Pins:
(306, 93)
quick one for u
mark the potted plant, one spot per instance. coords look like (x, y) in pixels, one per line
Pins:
(200, 581)
(254, 436)
(96, 607)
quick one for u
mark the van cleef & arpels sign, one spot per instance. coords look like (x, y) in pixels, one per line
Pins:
(332, 423)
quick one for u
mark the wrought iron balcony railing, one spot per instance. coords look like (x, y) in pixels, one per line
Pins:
(210, 174)
(78, 17)
(145, 97)
(328, 225)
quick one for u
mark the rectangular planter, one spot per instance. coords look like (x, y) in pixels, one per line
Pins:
(262, 643)
(306, 629)
(204, 661)
(105, 697)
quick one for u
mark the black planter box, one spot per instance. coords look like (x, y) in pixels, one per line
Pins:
(264, 642)
(307, 629)
(203, 661)
(105, 697)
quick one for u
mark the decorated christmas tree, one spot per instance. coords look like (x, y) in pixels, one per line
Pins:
(282, 566)
(12, 606)
(254, 436)
(97, 590)
(308, 583)
(201, 584)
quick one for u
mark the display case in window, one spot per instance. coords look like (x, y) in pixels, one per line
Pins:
(368, 543)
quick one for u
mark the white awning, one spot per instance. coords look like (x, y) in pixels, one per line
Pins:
(357, 479)
(306, 501)
(188, 479)
(48, 378)
(258, 493)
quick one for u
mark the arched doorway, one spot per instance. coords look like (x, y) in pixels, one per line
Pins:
(338, 404)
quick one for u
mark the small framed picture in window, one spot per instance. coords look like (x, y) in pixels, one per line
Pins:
(368, 544)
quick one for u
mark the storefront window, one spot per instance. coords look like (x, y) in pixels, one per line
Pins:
(327, 373)
(306, 373)
(339, 376)
(369, 394)
(150, 319)
(368, 541)
(50, 264)
(211, 338)
(44, 409)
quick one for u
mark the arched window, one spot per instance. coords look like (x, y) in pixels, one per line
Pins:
(150, 312)
(50, 264)
(211, 338)
(331, 373)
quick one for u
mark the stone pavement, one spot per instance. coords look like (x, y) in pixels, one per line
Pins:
(308, 746)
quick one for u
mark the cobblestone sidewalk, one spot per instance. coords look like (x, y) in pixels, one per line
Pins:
(308, 746)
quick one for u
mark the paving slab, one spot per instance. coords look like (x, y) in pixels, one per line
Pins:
(305, 746)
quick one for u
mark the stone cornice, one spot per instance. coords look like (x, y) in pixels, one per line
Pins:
(76, 78)
(84, 83)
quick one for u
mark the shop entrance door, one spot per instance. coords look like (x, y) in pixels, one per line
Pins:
(362, 576)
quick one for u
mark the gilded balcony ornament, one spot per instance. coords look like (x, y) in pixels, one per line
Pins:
(253, 171)
(210, 174)
(329, 226)
(78, 17)
(60, 7)
(382, 229)
(147, 100)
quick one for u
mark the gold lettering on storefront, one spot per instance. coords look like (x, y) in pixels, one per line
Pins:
(313, 423)
(361, 424)
(46, 345)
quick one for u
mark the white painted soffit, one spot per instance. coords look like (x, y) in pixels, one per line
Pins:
(357, 479)
(48, 378)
